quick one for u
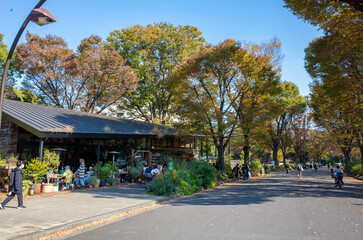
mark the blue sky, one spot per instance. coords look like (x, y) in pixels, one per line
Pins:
(244, 20)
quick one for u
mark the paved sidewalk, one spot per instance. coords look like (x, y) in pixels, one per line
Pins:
(49, 214)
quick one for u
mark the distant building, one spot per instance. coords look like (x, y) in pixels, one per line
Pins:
(29, 128)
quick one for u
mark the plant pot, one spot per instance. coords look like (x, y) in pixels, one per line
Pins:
(47, 187)
(97, 183)
(55, 188)
(31, 191)
(37, 187)
(102, 183)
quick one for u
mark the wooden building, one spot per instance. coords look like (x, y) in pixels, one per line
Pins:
(29, 128)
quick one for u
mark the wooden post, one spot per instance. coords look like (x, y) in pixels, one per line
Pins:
(149, 159)
(132, 157)
(98, 150)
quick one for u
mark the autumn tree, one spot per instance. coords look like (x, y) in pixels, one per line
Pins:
(154, 51)
(90, 80)
(282, 109)
(12, 72)
(331, 114)
(211, 85)
(319, 142)
(259, 82)
(300, 127)
(103, 75)
(337, 92)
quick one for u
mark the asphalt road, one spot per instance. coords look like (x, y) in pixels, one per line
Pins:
(277, 207)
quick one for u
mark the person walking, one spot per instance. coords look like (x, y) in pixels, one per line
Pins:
(16, 187)
(299, 169)
(287, 168)
(236, 170)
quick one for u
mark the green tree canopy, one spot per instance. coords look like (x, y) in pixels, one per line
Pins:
(211, 88)
(154, 51)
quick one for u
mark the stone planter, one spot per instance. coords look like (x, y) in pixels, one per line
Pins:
(47, 187)
(55, 188)
(97, 184)
(37, 187)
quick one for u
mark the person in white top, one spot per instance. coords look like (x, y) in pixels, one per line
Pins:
(299, 169)
(155, 171)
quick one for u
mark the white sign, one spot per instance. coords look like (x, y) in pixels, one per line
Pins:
(137, 155)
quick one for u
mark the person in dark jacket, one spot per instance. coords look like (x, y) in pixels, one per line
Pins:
(17, 188)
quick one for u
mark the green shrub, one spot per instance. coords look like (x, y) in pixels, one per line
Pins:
(255, 166)
(353, 167)
(356, 170)
(91, 180)
(184, 188)
(8, 161)
(52, 159)
(229, 172)
(135, 172)
(207, 173)
(35, 170)
(110, 180)
(161, 187)
(188, 177)
(106, 171)
(26, 184)
(221, 176)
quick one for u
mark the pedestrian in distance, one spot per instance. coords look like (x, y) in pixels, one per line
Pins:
(236, 170)
(287, 168)
(299, 169)
(16, 186)
(337, 171)
(244, 172)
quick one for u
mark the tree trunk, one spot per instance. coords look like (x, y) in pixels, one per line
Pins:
(246, 150)
(284, 156)
(347, 153)
(221, 157)
(275, 150)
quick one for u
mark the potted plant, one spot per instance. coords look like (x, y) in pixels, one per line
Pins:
(34, 171)
(106, 173)
(93, 181)
(55, 187)
(6, 164)
(97, 168)
(26, 186)
(52, 159)
(135, 172)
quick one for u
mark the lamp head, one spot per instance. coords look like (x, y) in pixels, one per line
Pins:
(41, 16)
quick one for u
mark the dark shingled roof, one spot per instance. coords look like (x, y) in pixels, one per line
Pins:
(50, 122)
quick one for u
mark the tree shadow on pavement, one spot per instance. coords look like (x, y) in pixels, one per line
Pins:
(263, 190)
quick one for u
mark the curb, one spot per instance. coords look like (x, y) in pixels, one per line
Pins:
(76, 224)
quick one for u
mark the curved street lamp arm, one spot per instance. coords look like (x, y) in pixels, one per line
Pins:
(10, 55)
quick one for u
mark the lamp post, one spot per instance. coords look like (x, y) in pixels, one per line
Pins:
(113, 160)
(58, 151)
(113, 155)
(39, 16)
